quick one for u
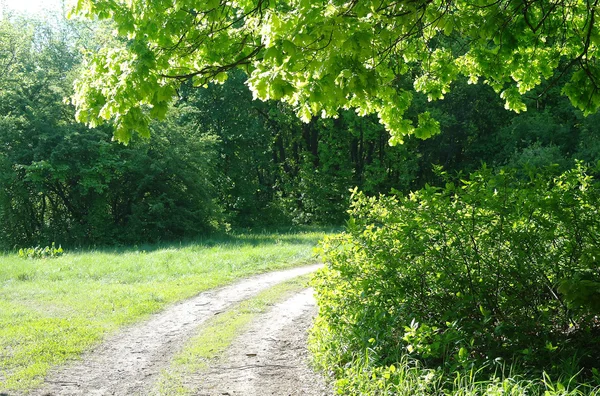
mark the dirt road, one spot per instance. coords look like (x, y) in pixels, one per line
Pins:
(269, 359)
(129, 363)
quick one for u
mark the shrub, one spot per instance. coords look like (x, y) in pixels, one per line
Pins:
(490, 269)
(41, 252)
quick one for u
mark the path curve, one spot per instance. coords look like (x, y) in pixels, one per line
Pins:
(129, 362)
(270, 358)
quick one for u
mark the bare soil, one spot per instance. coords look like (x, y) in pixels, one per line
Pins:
(270, 359)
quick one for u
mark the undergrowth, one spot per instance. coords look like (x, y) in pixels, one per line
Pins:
(39, 252)
(489, 285)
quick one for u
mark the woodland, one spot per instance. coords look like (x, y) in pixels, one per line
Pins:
(455, 143)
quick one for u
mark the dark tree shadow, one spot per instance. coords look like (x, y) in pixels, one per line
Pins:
(287, 236)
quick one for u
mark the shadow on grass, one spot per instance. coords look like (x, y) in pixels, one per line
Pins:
(300, 235)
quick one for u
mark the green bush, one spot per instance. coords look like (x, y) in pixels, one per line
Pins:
(39, 252)
(490, 270)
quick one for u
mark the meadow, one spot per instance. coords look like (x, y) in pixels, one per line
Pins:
(53, 309)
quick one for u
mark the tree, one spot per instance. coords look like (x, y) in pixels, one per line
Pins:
(368, 55)
(61, 182)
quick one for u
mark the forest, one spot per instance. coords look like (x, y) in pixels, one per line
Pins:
(468, 260)
(221, 159)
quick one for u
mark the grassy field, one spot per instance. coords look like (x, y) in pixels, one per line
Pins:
(51, 310)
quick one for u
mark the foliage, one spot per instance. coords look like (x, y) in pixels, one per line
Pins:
(408, 377)
(41, 252)
(270, 163)
(244, 172)
(60, 181)
(489, 269)
(219, 158)
(372, 56)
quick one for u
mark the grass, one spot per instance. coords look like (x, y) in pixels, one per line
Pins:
(51, 310)
(410, 378)
(217, 335)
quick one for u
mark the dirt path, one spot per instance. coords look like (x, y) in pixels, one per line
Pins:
(269, 359)
(129, 362)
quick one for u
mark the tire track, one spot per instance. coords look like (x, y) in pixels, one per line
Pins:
(271, 358)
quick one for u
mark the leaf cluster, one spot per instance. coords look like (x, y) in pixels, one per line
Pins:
(370, 56)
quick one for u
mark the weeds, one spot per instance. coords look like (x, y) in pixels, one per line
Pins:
(39, 252)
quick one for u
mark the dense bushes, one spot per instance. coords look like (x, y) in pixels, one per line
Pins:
(497, 269)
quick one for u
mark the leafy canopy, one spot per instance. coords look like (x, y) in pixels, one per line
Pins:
(319, 57)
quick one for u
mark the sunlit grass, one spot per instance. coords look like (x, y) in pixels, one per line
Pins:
(410, 378)
(52, 310)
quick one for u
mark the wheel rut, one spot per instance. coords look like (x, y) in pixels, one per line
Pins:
(270, 358)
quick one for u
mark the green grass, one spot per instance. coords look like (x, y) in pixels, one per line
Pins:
(217, 335)
(409, 377)
(52, 310)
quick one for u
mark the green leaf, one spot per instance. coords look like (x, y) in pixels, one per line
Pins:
(512, 100)
(427, 126)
